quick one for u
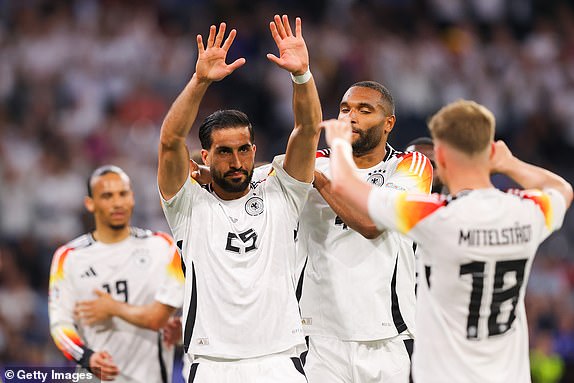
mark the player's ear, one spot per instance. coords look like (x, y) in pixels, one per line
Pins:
(89, 204)
(389, 123)
(205, 157)
(492, 150)
(439, 156)
(254, 148)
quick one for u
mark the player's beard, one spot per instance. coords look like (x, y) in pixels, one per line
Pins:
(232, 187)
(118, 227)
(367, 140)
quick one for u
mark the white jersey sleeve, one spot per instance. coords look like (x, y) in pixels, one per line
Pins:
(413, 172)
(61, 310)
(172, 287)
(295, 190)
(179, 206)
(552, 206)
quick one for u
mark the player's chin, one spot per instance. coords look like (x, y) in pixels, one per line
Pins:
(118, 225)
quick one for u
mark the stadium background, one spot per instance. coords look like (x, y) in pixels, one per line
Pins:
(87, 82)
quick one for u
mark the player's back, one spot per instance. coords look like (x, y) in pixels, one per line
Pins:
(477, 254)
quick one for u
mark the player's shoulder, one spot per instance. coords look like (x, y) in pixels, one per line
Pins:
(83, 242)
(322, 159)
(323, 153)
(414, 163)
(533, 197)
(149, 235)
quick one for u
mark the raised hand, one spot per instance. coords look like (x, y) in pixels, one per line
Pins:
(502, 158)
(293, 54)
(211, 64)
(337, 129)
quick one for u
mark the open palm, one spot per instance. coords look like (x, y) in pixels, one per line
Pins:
(293, 54)
(211, 64)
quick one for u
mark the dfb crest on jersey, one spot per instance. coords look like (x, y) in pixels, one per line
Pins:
(141, 258)
(376, 179)
(254, 206)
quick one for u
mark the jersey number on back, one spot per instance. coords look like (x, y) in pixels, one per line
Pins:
(499, 295)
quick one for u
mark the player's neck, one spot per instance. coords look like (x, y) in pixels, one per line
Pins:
(228, 196)
(109, 235)
(468, 179)
(371, 158)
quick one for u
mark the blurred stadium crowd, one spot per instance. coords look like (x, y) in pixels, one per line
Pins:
(87, 82)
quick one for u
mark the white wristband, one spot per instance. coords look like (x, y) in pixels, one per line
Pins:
(302, 78)
(345, 145)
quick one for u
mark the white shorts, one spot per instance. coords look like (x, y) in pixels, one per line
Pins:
(381, 361)
(277, 368)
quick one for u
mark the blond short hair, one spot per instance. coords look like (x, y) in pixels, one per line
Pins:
(465, 125)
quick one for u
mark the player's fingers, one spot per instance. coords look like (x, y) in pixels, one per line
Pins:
(236, 64)
(211, 38)
(200, 47)
(273, 58)
(229, 40)
(220, 34)
(105, 355)
(298, 28)
(274, 33)
(280, 28)
(287, 26)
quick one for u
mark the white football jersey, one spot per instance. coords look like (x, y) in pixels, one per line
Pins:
(239, 257)
(354, 288)
(138, 270)
(477, 253)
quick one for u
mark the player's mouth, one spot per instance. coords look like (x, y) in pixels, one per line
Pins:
(236, 174)
(119, 214)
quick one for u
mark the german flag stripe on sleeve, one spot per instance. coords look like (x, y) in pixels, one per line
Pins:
(57, 268)
(68, 341)
(413, 208)
(542, 200)
(417, 165)
(174, 266)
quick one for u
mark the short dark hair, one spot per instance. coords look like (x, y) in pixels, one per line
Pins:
(385, 93)
(223, 119)
(421, 141)
(102, 170)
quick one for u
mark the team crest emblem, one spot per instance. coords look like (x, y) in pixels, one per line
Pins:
(141, 258)
(376, 179)
(254, 206)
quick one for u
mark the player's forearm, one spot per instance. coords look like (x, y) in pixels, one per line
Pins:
(360, 223)
(345, 184)
(182, 114)
(302, 145)
(173, 166)
(307, 107)
(533, 177)
(136, 315)
(68, 341)
(152, 316)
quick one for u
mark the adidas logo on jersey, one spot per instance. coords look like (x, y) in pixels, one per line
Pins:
(89, 273)
(203, 341)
